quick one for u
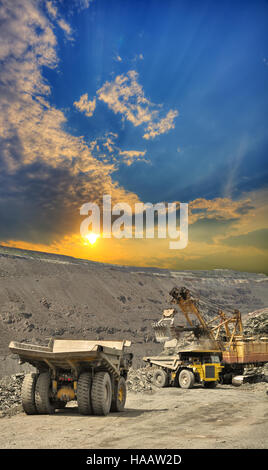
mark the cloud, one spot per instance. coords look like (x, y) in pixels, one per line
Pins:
(83, 4)
(52, 9)
(124, 95)
(109, 142)
(256, 238)
(131, 156)
(65, 27)
(22, 26)
(85, 105)
(46, 172)
(138, 57)
(206, 230)
(161, 127)
(53, 12)
(118, 58)
(218, 209)
(115, 154)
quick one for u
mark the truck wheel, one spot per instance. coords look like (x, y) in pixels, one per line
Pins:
(227, 378)
(84, 393)
(210, 384)
(120, 395)
(28, 393)
(43, 399)
(186, 378)
(101, 393)
(160, 378)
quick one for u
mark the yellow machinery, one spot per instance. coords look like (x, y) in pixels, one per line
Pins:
(220, 351)
(186, 367)
(224, 332)
(200, 363)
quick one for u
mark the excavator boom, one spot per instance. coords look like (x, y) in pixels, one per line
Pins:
(221, 326)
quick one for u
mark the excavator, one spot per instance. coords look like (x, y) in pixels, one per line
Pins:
(218, 351)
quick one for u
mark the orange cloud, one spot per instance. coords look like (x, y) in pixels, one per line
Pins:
(86, 106)
(125, 96)
(218, 208)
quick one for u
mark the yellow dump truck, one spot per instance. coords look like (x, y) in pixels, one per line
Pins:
(93, 373)
(185, 368)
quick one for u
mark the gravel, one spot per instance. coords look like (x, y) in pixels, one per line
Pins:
(256, 323)
(140, 380)
(10, 394)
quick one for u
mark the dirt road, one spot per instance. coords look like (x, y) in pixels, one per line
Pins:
(226, 417)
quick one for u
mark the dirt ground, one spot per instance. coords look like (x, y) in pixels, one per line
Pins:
(170, 418)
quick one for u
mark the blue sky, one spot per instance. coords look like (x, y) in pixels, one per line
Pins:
(149, 100)
(205, 59)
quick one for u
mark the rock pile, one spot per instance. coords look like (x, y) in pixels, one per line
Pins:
(140, 380)
(256, 323)
(256, 374)
(10, 394)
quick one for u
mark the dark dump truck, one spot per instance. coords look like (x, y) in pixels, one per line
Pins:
(93, 373)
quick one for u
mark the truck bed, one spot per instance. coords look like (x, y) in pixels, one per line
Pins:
(68, 354)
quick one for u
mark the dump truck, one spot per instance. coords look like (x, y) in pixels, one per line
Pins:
(220, 352)
(93, 373)
(186, 366)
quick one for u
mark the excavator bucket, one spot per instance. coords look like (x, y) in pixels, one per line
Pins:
(164, 328)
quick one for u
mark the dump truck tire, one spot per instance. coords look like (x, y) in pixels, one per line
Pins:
(210, 384)
(186, 378)
(84, 393)
(28, 393)
(120, 395)
(226, 379)
(160, 378)
(101, 394)
(44, 404)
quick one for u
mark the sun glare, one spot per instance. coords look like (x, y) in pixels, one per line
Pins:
(92, 238)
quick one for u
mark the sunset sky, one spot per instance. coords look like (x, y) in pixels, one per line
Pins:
(148, 101)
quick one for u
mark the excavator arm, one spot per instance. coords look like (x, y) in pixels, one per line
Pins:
(166, 330)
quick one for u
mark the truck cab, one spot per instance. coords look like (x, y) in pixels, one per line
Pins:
(205, 366)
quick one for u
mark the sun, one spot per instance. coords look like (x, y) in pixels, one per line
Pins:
(92, 238)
